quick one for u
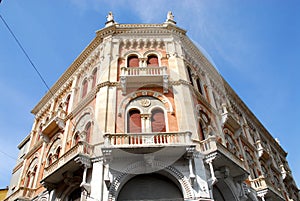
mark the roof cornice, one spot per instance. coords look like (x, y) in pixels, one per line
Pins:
(67, 74)
(139, 29)
(100, 34)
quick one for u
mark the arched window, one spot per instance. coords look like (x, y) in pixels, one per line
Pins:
(152, 60)
(190, 77)
(202, 136)
(199, 85)
(67, 103)
(88, 132)
(57, 153)
(133, 61)
(134, 121)
(84, 88)
(49, 160)
(76, 138)
(94, 78)
(158, 120)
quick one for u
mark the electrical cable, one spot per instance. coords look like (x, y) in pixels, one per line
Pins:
(27, 56)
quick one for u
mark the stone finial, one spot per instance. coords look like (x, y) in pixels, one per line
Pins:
(170, 18)
(109, 19)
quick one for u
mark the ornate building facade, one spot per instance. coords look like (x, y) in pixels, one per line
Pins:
(141, 114)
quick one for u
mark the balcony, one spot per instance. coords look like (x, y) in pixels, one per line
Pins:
(263, 150)
(22, 193)
(70, 161)
(230, 121)
(223, 157)
(136, 145)
(137, 77)
(52, 125)
(264, 188)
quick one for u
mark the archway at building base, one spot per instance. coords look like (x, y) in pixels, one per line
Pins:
(159, 167)
(223, 192)
(150, 187)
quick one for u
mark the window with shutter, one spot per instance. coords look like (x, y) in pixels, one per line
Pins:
(134, 121)
(152, 60)
(94, 78)
(133, 61)
(158, 121)
(88, 132)
(84, 88)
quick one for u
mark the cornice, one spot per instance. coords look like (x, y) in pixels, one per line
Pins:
(24, 141)
(236, 100)
(120, 29)
(201, 62)
(34, 149)
(90, 96)
(197, 94)
(67, 74)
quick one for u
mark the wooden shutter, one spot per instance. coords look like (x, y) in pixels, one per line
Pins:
(94, 78)
(134, 121)
(133, 61)
(88, 132)
(158, 121)
(84, 88)
(152, 60)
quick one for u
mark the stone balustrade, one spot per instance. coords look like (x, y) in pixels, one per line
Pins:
(208, 145)
(143, 71)
(81, 148)
(147, 139)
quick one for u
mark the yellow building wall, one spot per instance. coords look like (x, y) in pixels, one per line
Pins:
(3, 193)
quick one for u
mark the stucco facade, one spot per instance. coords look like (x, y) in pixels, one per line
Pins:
(141, 114)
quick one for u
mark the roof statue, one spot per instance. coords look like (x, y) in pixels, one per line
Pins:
(170, 18)
(109, 19)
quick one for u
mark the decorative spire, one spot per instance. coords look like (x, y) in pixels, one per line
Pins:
(109, 19)
(170, 18)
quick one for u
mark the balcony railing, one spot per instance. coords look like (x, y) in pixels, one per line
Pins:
(144, 76)
(82, 148)
(53, 124)
(208, 145)
(147, 139)
(261, 183)
(22, 193)
(211, 145)
(144, 71)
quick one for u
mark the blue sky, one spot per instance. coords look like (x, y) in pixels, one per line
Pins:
(254, 44)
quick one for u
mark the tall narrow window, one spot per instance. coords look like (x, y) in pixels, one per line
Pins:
(94, 78)
(57, 153)
(152, 60)
(190, 75)
(158, 121)
(199, 86)
(133, 61)
(202, 136)
(76, 138)
(134, 121)
(84, 88)
(88, 132)
(50, 159)
(67, 103)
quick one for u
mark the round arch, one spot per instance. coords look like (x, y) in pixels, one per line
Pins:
(222, 191)
(150, 187)
(139, 93)
(158, 167)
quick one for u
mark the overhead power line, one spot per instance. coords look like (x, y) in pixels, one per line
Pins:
(23, 50)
